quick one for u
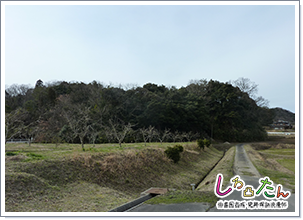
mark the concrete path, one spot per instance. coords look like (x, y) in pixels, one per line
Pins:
(249, 174)
(242, 167)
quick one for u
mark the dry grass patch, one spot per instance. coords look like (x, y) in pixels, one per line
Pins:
(225, 167)
(75, 197)
(204, 192)
(55, 184)
(16, 158)
(181, 180)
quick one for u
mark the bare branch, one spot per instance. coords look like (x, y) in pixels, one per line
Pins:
(161, 136)
(119, 130)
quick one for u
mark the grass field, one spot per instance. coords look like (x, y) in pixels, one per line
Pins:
(275, 159)
(46, 178)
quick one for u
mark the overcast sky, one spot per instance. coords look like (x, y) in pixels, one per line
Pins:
(167, 45)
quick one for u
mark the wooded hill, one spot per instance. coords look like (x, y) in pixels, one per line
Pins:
(95, 113)
(282, 114)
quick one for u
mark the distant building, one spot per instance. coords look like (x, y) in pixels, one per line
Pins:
(280, 124)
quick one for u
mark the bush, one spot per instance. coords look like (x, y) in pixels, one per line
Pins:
(11, 153)
(174, 153)
(203, 143)
(34, 155)
(180, 148)
(200, 143)
(206, 142)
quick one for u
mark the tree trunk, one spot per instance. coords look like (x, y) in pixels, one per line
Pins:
(82, 144)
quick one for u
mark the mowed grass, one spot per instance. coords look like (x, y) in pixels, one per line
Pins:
(279, 152)
(46, 178)
(277, 161)
(51, 151)
(288, 163)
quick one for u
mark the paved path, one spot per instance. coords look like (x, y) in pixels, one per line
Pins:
(242, 167)
(249, 174)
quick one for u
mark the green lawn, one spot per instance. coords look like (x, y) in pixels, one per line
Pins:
(277, 164)
(288, 163)
(281, 152)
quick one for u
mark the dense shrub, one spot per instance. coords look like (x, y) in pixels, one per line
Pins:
(203, 143)
(11, 153)
(206, 142)
(180, 148)
(200, 143)
(174, 152)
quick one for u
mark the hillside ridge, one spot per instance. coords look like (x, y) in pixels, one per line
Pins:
(283, 114)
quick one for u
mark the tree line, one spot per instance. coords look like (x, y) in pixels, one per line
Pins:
(75, 112)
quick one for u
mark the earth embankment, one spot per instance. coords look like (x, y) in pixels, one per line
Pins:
(41, 179)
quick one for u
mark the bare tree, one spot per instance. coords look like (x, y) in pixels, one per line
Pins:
(176, 136)
(261, 102)
(15, 89)
(119, 130)
(245, 85)
(251, 88)
(51, 127)
(14, 123)
(144, 133)
(93, 134)
(161, 136)
(31, 131)
(147, 133)
(130, 86)
(150, 132)
(77, 117)
(189, 135)
(108, 133)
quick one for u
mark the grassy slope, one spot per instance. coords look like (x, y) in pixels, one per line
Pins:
(205, 190)
(225, 167)
(48, 178)
(275, 160)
